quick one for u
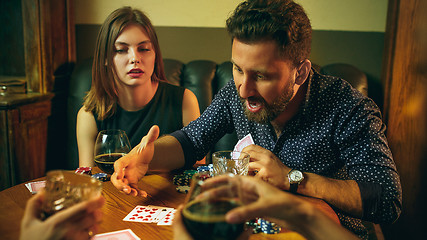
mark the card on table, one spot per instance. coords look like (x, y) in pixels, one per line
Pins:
(147, 214)
(126, 234)
(164, 211)
(167, 219)
(34, 187)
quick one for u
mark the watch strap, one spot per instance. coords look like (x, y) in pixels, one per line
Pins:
(293, 187)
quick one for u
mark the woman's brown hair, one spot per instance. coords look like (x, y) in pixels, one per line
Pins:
(102, 97)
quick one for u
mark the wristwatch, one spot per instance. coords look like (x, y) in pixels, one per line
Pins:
(295, 178)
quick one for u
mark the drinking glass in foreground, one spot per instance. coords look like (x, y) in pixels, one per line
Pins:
(206, 206)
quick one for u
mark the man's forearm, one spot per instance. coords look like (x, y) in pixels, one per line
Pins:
(342, 194)
(168, 154)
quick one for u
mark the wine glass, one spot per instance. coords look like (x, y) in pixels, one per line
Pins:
(207, 203)
(110, 145)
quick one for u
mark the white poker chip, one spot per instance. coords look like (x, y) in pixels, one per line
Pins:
(183, 189)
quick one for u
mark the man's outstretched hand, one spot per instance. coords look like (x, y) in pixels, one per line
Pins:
(129, 169)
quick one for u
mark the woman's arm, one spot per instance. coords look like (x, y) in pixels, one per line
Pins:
(190, 107)
(86, 131)
(190, 112)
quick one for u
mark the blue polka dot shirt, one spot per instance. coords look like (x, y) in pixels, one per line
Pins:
(337, 133)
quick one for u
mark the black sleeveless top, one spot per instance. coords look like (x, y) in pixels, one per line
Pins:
(164, 110)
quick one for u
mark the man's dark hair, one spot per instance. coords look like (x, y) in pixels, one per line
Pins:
(283, 21)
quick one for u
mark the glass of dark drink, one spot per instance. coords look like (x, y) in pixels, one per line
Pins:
(110, 145)
(207, 203)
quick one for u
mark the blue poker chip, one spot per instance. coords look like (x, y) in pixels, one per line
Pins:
(268, 227)
(206, 169)
(203, 168)
(100, 176)
(210, 167)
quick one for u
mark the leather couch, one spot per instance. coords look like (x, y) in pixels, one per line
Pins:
(203, 77)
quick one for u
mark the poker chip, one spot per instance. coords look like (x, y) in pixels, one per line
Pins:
(190, 172)
(251, 223)
(203, 168)
(183, 189)
(184, 179)
(205, 175)
(256, 230)
(84, 170)
(100, 176)
(256, 227)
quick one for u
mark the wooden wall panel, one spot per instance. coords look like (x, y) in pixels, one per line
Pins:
(48, 39)
(406, 114)
(33, 63)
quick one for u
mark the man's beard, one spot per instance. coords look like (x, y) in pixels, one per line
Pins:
(269, 112)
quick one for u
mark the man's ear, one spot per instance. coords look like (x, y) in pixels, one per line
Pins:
(303, 71)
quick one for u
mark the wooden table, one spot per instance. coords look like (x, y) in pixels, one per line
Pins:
(161, 192)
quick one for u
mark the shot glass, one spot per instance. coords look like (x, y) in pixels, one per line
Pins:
(65, 188)
(233, 162)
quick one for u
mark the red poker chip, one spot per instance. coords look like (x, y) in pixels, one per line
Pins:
(84, 170)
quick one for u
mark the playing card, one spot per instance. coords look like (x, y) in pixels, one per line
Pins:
(242, 143)
(160, 214)
(126, 234)
(168, 218)
(143, 214)
(34, 187)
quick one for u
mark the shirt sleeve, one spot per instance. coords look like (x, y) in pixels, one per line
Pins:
(187, 147)
(200, 136)
(369, 161)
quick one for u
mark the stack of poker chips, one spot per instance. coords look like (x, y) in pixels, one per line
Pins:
(268, 227)
(88, 170)
(263, 226)
(101, 176)
(183, 180)
(256, 228)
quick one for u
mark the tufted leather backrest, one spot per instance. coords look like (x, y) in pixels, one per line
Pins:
(80, 82)
(348, 72)
(203, 77)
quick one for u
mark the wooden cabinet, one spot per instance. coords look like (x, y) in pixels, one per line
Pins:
(23, 137)
(40, 45)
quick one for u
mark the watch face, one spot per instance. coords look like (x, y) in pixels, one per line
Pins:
(296, 176)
